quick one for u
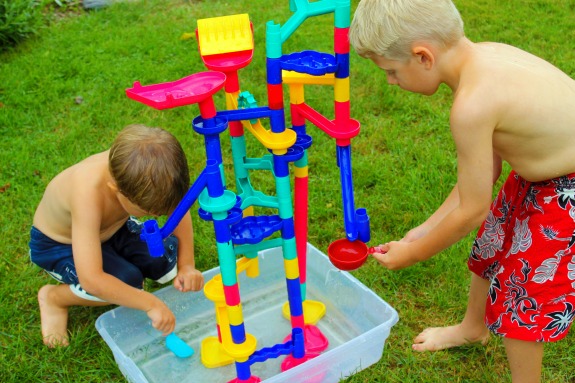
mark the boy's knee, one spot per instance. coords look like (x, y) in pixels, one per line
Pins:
(171, 248)
(171, 252)
(170, 257)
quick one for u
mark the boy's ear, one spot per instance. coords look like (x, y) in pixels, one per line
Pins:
(113, 187)
(423, 55)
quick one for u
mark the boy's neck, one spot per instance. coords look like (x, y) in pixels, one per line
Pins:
(452, 61)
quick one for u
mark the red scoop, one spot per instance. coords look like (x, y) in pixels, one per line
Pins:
(348, 255)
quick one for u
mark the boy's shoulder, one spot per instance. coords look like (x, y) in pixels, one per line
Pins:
(97, 159)
(82, 176)
(498, 65)
(499, 78)
(80, 188)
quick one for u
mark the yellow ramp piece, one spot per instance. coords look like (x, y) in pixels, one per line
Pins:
(313, 311)
(290, 77)
(213, 354)
(276, 142)
(225, 34)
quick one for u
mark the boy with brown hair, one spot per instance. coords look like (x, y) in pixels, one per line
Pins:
(508, 106)
(83, 234)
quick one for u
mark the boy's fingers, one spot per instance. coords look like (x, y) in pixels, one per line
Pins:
(167, 327)
(198, 283)
(178, 284)
(380, 257)
(161, 326)
(186, 285)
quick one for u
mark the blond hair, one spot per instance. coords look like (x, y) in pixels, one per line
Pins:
(389, 28)
(150, 168)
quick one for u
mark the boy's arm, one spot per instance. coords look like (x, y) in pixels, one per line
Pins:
(450, 203)
(87, 250)
(188, 278)
(472, 130)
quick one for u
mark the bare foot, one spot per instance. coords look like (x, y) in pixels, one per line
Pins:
(54, 318)
(440, 338)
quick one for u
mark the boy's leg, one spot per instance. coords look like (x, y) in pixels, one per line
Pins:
(54, 301)
(472, 329)
(525, 360)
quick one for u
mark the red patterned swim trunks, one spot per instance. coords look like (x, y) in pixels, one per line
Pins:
(526, 248)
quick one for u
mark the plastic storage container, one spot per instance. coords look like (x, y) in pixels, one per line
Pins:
(357, 323)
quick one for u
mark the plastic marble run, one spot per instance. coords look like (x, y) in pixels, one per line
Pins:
(226, 45)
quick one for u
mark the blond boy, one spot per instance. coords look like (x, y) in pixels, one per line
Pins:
(84, 237)
(508, 105)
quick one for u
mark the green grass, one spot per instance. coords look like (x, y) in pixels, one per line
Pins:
(62, 98)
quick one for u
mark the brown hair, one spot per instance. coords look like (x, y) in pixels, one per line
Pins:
(150, 168)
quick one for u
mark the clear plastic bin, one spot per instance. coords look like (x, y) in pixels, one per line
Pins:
(357, 323)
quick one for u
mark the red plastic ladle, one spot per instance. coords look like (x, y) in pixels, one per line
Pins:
(348, 255)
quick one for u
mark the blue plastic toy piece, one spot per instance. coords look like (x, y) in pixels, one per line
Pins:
(310, 62)
(271, 352)
(234, 215)
(245, 114)
(281, 163)
(304, 141)
(295, 345)
(211, 126)
(153, 236)
(344, 163)
(178, 346)
(362, 220)
(294, 293)
(254, 229)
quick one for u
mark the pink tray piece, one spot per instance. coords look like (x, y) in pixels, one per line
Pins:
(186, 91)
(315, 340)
(228, 62)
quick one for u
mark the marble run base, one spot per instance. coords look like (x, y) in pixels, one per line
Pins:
(357, 323)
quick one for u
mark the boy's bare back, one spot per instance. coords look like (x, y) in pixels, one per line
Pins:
(529, 104)
(82, 190)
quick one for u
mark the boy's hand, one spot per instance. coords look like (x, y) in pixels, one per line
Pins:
(394, 255)
(162, 318)
(188, 279)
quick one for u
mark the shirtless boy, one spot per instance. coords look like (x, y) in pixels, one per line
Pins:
(508, 105)
(84, 237)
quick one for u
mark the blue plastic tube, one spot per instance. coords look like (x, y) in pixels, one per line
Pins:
(153, 235)
(344, 163)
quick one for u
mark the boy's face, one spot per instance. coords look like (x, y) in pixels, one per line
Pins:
(128, 206)
(412, 75)
(131, 208)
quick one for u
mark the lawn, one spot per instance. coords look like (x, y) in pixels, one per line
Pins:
(62, 98)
